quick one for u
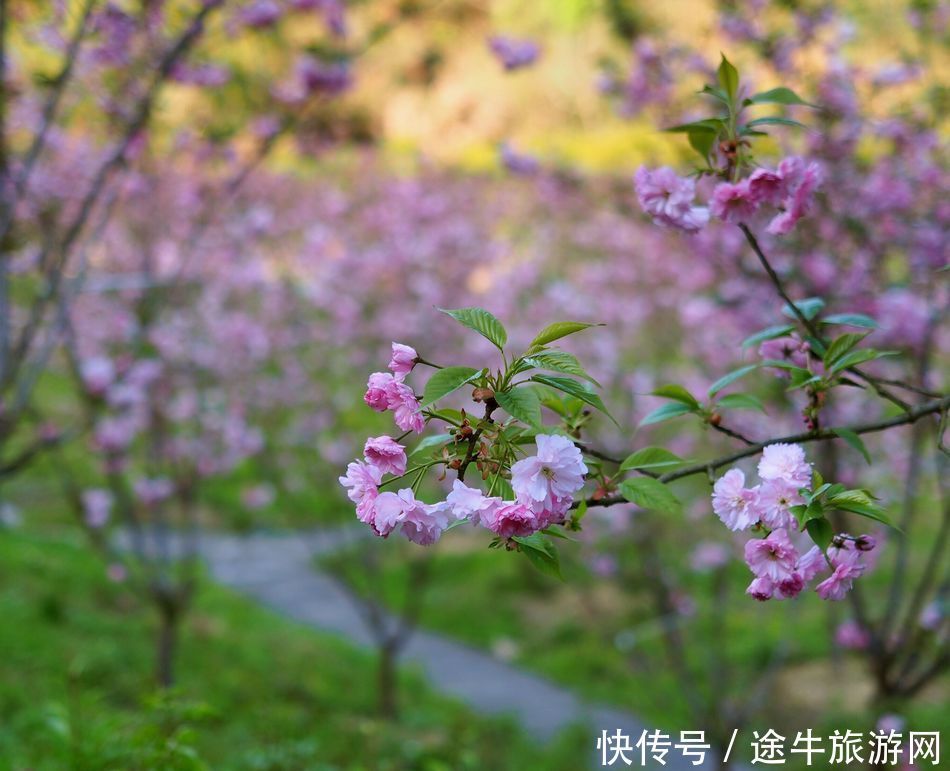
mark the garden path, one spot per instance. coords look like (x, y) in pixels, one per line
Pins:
(278, 570)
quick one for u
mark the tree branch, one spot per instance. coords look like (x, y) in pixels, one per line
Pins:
(809, 325)
(912, 416)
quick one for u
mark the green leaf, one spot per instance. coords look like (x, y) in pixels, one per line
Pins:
(541, 553)
(783, 364)
(522, 404)
(447, 380)
(773, 120)
(799, 510)
(666, 412)
(579, 513)
(841, 345)
(430, 442)
(575, 389)
(780, 95)
(871, 511)
(481, 321)
(809, 308)
(854, 440)
(709, 124)
(851, 320)
(731, 377)
(814, 510)
(651, 458)
(649, 493)
(860, 502)
(821, 532)
(677, 393)
(702, 140)
(716, 93)
(859, 357)
(558, 361)
(768, 334)
(551, 531)
(558, 330)
(728, 77)
(453, 417)
(741, 402)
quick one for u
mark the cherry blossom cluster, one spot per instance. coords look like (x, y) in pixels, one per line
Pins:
(781, 569)
(786, 193)
(388, 391)
(543, 484)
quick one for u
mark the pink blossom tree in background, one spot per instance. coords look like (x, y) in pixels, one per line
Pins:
(127, 248)
(816, 202)
(212, 314)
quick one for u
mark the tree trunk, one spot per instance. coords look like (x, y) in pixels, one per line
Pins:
(166, 645)
(388, 708)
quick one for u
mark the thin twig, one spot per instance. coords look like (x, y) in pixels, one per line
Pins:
(825, 434)
(809, 325)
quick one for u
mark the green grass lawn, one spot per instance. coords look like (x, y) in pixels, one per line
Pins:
(256, 692)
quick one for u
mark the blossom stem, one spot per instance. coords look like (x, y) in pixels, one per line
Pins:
(809, 325)
(734, 434)
(490, 405)
(936, 406)
(422, 468)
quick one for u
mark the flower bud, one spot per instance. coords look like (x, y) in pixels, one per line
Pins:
(865, 543)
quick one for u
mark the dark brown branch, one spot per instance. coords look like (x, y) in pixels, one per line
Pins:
(912, 416)
(490, 406)
(732, 433)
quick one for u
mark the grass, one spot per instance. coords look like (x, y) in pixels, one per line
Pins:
(256, 692)
(601, 637)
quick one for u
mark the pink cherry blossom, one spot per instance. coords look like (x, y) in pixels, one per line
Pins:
(360, 479)
(774, 557)
(390, 510)
(668, 199)
(733, 503)
(151, 491)
(386, 454)
(791, 586)
(420, 522)
(811, 564)
(403, 360)
(839, 583)
(509, 518)
(378, 390)
(468, 502)
(544, 480)
(406, 408)
(97, 373)
(785, 462)
(803, 184)
(555, 513)
(762, 588)
(852, 636)
(775, 498)
(733, 202)
(424, 523)
(97, 506)
(767, 186)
